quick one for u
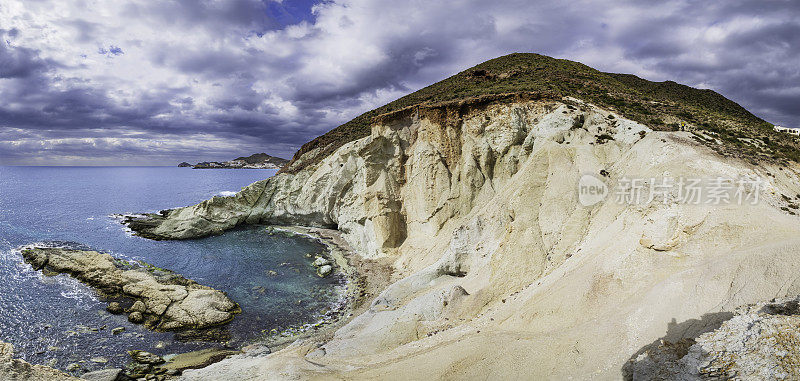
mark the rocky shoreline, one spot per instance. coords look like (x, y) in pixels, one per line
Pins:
(364, 280)
(141, 290)
(340, 260)
(158, 298)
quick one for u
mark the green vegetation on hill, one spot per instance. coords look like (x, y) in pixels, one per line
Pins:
(715, 120)
(262, 158)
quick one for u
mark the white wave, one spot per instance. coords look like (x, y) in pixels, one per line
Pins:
(82, 295)
(227, 193)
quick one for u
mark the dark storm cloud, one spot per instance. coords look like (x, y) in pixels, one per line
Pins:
(212, 80)
(15, 61)
(747, 50)
(206, 14)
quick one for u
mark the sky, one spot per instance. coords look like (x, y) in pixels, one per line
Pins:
(142, 82)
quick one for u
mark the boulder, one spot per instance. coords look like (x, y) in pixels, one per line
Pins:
(325, 270)
(136, 317)
(320, 261)
(138, 306)
(114, 308)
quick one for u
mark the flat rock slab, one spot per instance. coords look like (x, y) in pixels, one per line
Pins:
(198, 359)
(164, 300)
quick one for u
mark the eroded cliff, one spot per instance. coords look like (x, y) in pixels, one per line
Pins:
(504, 272)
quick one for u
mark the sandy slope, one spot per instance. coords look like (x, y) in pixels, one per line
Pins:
(505, 274)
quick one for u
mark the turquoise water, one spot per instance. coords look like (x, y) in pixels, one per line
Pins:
(58, 321)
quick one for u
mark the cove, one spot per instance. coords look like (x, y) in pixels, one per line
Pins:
(59, 321)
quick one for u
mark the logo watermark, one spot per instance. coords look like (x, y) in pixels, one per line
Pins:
(591, 190)
(682, 190)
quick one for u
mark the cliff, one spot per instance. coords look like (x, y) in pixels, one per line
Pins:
(505, 270)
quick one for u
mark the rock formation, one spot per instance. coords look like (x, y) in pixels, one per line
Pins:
(162, 300)
(12, 369)
(760, 342)
(505, 273)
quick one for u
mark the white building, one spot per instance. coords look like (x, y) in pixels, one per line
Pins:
(793, 131)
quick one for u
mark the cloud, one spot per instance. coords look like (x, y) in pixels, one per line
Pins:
(15, 61)
(266, 76)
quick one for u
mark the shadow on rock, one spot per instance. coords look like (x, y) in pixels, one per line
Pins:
(660, 360)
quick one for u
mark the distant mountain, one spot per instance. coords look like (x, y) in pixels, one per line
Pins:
(260, 158)
(255, 161)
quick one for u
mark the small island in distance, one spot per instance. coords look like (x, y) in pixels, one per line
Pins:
(255, 161)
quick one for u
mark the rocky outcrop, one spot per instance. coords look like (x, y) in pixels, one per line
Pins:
(499, 262)
(161, 299)
(255, 161)
(12, 369)
(760, 342)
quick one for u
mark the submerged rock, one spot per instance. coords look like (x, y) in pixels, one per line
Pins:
(163, 300)
(105, 375)
(143, 357)
(73, 367)
(114, 308)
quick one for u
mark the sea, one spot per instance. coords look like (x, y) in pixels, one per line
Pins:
(60, 322)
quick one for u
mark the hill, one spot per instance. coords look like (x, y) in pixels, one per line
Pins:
(254, 161)
(259, 158)
(504, 230)
(666, 106)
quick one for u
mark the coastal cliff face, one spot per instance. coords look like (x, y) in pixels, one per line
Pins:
(412, 174)
(504, 272)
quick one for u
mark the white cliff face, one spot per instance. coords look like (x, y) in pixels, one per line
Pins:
(411, 174)
(505, 273)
